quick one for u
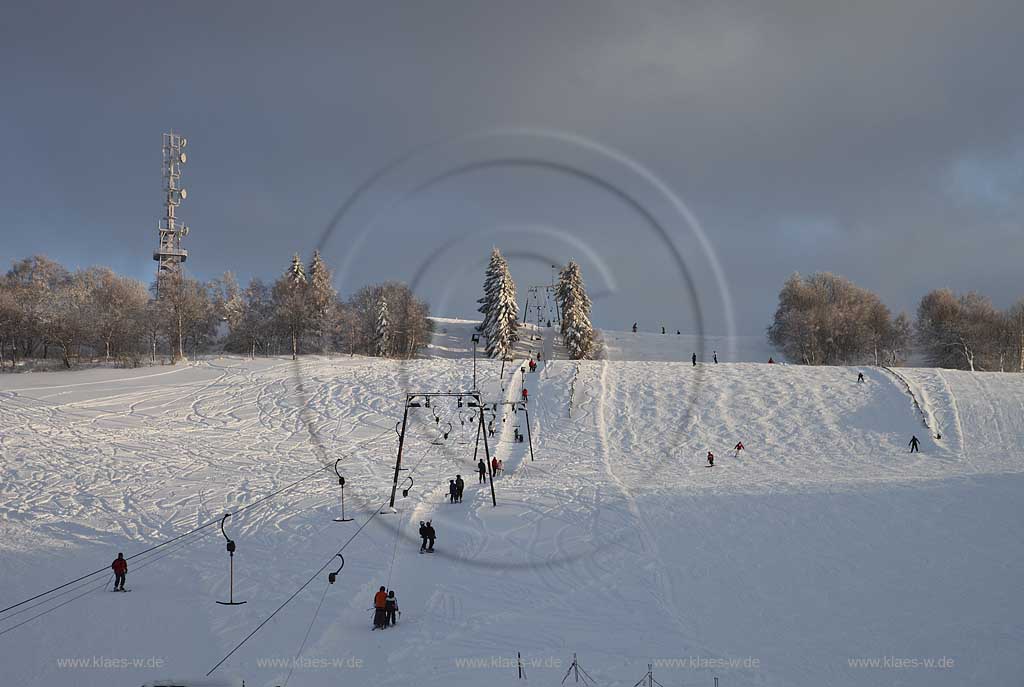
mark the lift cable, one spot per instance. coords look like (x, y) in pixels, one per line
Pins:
(376, 512)
(172, 540)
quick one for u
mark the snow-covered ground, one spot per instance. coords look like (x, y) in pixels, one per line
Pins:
(823, 544)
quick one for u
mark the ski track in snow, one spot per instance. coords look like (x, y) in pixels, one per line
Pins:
(824, 539)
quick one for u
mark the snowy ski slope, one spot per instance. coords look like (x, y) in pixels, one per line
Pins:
(823, 543)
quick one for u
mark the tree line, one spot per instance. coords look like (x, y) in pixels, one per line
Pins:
(46, 309)
(825, 319)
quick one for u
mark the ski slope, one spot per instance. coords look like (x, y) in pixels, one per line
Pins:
(824, 543)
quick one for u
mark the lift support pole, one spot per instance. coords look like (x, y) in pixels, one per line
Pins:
(401, 443)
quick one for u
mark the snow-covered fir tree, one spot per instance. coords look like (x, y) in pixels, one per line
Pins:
(577, 332)
(500, 313)
(322, 300)
(290, 304)
(296, 273)
(383, 328)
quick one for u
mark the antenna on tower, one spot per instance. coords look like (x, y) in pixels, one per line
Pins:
(169, 255)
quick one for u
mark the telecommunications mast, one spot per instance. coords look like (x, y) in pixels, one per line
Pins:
(170, 254)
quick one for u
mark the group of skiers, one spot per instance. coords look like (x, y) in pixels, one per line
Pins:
(455, 488)
(428, 535)
(738, 447)
(385, 609)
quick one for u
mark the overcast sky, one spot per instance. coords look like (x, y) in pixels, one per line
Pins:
(880, 140)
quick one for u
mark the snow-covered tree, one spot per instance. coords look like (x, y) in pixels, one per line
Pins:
(500, 322)
(571, 293)
(290, 303)
(383, 328)
(322, 300)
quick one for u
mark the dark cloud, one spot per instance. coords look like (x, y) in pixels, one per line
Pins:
(881, 140)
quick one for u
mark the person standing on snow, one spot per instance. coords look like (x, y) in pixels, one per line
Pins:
(120, 568)
(662, 329)
(860, 377)
(380, 600)
(634, 327)
(526, 395)
(460, 486)
(481, 468)
(431, 536)
(390, 609)
(913, 445)
(738, 447)
(423, 536)
(714, 356)
(711, 459)
(693, 358)
(452, 491)
(494, 465)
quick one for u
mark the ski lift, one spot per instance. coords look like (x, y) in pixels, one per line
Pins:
(427, 403)
(331, 577)
(437, 417)
(405, 490)
(341, 481)
(448, 431)
(231, 575)
(398, 428)
(460, 401)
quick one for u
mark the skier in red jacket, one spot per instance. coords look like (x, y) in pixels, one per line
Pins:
(738, 447)
(120, 568)
(526, 395)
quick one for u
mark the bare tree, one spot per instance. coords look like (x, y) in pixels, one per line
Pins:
(959, 332)
(825, 319)
(186, 312)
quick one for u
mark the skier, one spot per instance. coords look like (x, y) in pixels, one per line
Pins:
(431, 536)
(662, 329)
(390, 609)
(452, 491)
(860, 377)
(490, 428)
(120, 568)
(460, 486)
(714, 356)
(738, 447)
(634, 327)
(533, 365)
(694, 359)
(380, 600)
(711, 459)
(678, 333)
(771, 361)
(501, 467)
(526, 395)
(913, 444)
(423, 536)
(494, 465)
(481, 468)
(539, 354)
